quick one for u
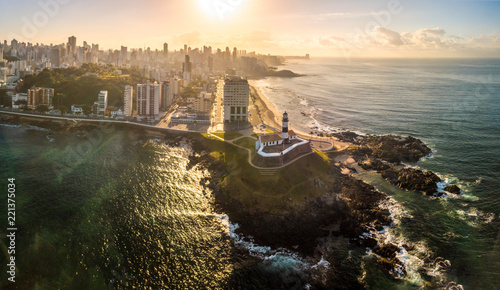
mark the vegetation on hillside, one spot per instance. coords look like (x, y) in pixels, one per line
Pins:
(5, 99)
(82, 85)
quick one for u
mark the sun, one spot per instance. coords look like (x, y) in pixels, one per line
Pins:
(220, 9)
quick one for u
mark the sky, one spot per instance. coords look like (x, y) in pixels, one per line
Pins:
(353, 28)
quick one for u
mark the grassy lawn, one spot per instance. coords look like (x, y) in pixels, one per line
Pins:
(228, 135)
(324, 156)
(246, 142)
(289, 186)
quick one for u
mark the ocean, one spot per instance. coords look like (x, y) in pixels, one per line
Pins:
(111, 209)
(107, 209)
(453, 105)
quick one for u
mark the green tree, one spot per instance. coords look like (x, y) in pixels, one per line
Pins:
(86, 110)
(63, 109)
(5, 99)
(42, 109)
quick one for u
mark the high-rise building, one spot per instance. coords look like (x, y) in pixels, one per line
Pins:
(71, 45)
(235, 55)
(14, 44)
(165, 49)
(127, 100)
(186, 70)
(210, 63)
(148, 99)
(124, 54)
(40, 96)
(102, 103)
(187, 66)
(167, 94)
(235, 93)
(55, 56)
(95, 48)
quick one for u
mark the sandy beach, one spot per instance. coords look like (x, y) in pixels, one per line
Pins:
(269, 114)
(272, 117)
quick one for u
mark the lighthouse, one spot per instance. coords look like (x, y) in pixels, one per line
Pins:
(284, 132)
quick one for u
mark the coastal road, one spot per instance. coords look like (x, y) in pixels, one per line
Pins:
(93, 121)
(165, 121)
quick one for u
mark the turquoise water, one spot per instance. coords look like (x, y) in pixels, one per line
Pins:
(452, 105)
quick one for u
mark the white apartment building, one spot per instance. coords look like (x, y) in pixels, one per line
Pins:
(127, 100)
(148, 99)
(102, 103)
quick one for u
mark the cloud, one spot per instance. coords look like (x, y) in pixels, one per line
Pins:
(391, 37)
(422, 42)
(435, 31)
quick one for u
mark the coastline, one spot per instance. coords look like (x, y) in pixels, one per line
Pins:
(348, 214)
(269, 117)
(272, 117)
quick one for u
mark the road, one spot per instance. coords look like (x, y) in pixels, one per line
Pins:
(94, 121)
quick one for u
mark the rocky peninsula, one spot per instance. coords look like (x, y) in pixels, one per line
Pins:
(312, 208)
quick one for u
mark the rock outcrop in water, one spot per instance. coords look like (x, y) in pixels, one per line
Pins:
(382, 153)
(452, 189)
(413, 179)
(390, 148)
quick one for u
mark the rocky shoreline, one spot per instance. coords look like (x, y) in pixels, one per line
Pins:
(388, 154)
(325, 227)
(333, 227)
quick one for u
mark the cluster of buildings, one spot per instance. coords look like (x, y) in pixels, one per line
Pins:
(30, 58)
(219, 89)
(34, 98)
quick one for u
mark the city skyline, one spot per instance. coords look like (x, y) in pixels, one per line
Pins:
(321, 28)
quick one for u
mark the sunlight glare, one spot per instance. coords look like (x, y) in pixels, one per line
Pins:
(220, 8)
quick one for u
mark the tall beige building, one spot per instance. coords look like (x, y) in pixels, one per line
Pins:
(235, 93)
(203, 103)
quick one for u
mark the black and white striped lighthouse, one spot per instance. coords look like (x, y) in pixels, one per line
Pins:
(284, 134)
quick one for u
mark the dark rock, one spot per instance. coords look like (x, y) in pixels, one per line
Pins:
(369, 242)
(453, 189)
(378, 226)
(365, 166)
(393, 149)
(409, 247)
(283, 74)
(387, 251)
(413, 179)
(347, 136)
(379, 165)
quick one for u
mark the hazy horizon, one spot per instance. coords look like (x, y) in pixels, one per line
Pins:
(394, 29)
